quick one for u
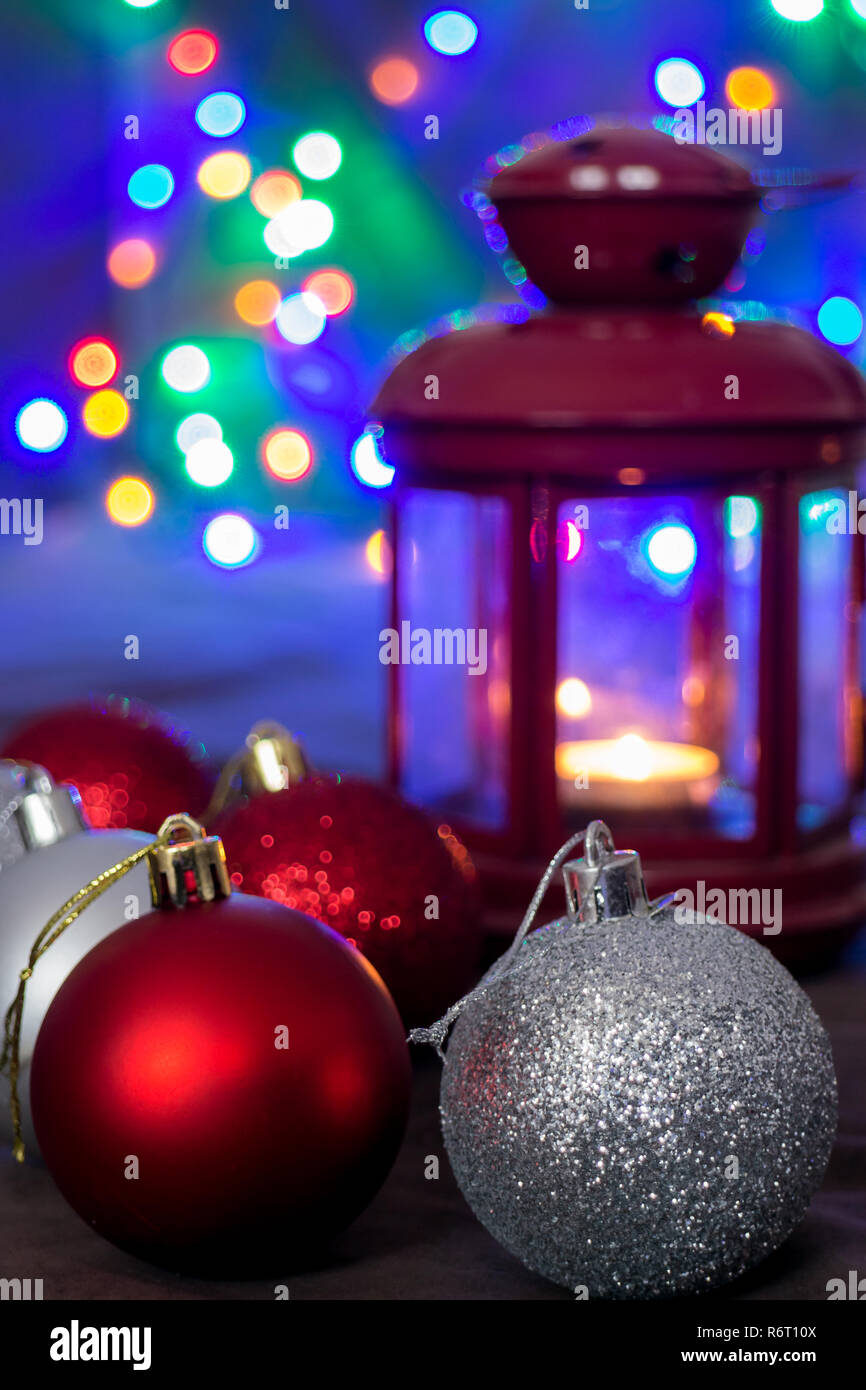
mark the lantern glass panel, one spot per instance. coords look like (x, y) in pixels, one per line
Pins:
(453, 564)
(658, 649)
(828, 741)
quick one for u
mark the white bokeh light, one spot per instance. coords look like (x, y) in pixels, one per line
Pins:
(229, 541)
(41, 425)
(186, 368)
(209, 462)
(317, 155)
(301, 318)
(195, 428)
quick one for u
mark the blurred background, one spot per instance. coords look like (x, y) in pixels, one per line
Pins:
(252, 618)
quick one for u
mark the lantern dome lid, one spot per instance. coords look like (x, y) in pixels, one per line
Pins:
(624, 162)
(624, 214)
(573, 374)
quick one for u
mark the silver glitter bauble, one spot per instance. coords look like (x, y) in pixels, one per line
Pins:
(638, 1106)
(31, 891)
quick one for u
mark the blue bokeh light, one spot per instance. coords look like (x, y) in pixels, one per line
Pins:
(450, 32)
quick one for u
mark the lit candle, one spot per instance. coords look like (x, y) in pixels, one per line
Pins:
(636, 772)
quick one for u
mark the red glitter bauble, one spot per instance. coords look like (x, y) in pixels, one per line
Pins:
(132, 767)
(220, 1088)
(373, 867)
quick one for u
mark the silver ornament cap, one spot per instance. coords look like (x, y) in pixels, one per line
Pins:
(44, 813)
(606, 882)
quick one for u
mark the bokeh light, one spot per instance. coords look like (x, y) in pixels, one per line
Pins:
(840, 320)
(394, 80)
(186, 368)
(287, 454)
(742, 516)
(718, 325)
(105, 414)
(229, 541)
(129, 501)
(450, 32)
(273, 191)
(798, 10)
(224, 175)
(378, 553)
(672, 551)
(334, 288)
(192, 52)
(151, 186)
(679, 82)
(131, 263)
(750, 89)
(302, 226)
(196, 427)
(317, 155)
(142, 4)
(92, 362)
(301, 318)
(209, 462)
(257, 302)
(573, 698)
(41, 425)
(220, 114)
(859, 8)
(367, 464)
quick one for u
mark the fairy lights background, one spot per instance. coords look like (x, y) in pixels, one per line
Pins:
(166, 386)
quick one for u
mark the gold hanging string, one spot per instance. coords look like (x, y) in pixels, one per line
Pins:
(62, 918)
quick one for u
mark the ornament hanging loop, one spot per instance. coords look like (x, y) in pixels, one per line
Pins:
(184, 861)
(270, 760)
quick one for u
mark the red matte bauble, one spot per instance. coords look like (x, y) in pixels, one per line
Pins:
(162, 1055)
(132, 767)
(372, 866)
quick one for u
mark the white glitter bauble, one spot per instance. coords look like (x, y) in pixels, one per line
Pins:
(31, 891)
(11, 791)
(639, 1106)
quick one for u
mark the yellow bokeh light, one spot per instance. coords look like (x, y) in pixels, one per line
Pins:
(378, 553)
(288, 455)
(573, 698)
(273, 191)
(224, 175)
(105, 413)
(750, 89)
(718, 324)
(129, 501)
(257, 302)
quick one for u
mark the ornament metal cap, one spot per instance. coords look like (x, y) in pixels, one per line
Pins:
(45, 813)
(183, 849)
(274, 760)
(606, 882)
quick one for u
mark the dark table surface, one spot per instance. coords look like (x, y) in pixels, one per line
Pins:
(418, 1239)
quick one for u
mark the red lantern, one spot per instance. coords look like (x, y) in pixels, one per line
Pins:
(630, 497)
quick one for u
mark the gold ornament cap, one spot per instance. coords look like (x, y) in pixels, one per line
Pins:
(273, 761)
(44, 813)
(182, 849)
